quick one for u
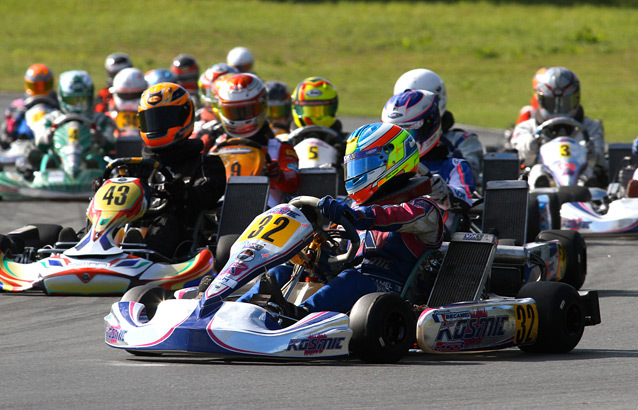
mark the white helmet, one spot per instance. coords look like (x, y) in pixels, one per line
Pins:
(241, 58)
(128, 86)
(423, 79)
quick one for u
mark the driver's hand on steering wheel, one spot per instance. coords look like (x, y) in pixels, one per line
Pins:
(273, 171)
(176, 189)
(336, 209)
(96, 184)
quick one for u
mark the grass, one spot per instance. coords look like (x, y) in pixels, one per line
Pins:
(485, 51)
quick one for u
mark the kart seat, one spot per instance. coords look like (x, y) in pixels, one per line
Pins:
(632, 189)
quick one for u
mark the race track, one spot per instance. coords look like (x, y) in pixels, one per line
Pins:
(53, 355)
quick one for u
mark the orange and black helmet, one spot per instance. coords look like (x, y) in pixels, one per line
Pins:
(166, 115)
(38, 80)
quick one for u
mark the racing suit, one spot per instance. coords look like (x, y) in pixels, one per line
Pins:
(393, 237)
(285, 179)
(457, 174)
(104, 101)
(15, 125)
(103, 123)
(463, 144)
(207, 128)
(199, 182)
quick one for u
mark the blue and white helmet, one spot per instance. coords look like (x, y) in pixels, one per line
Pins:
(416, 111)
(426, 80)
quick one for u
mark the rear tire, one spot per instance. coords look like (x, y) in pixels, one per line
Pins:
(149, 295)
(576, 250)
(383, 328)
(561, 316)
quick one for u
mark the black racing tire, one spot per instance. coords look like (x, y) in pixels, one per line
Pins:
(574, 193)
(222, 250)
(149, 295)
(383, 328)
(533, 219)
(576, 254)
(561, 316)
(48, 233)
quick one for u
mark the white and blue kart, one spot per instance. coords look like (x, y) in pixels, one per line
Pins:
(382, 327)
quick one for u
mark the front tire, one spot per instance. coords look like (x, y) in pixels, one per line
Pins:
(561, 316)
(149, 295)
(383, 328)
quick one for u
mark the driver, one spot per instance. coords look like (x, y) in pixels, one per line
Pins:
(558, 94)
(167, 116)
(380, 160)
(242, 100)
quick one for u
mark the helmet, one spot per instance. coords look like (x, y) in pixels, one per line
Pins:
(75, 92)
(206, 80)
(159, 75)
(423, 79)
(558, 93)
(127, 89)
(186, 71)
(242, 103)
(279, 105)
(166, 115)
(114, 64)
(241, 58)
(38, 80)
(315, 102)
(375, 154)
(416, 111)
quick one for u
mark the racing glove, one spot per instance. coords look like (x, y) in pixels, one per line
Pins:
(440, 192)
(96, 184)
(336, 209)
(176, 189)
(274, 172)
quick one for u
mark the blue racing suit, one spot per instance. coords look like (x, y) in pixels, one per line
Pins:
(457, 174)
(393, 237)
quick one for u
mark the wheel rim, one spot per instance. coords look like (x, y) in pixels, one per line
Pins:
(395, 328)
(573, 320)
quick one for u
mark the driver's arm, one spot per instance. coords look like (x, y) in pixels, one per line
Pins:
(210, 185)
(525, 142)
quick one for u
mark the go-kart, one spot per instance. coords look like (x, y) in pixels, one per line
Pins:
(613, 211)
(316, 146)
(128, 141)
(381, 327)
(103, 261)
(36, 108)
(66, 171)
(562, 160)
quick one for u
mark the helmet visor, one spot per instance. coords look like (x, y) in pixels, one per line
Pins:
(130, 96)
(359, 164)
(160, 119)
(316, 110)
(84, 101)
(278, 111)
(558, 105)
(39, 87)
(242, 112)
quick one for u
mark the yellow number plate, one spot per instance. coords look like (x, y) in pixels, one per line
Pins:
(526, 323)
(565, 150)
(126, 120)
(275, 229)
(117, 197)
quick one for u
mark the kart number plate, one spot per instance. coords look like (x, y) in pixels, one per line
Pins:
(565, 150)
(117, 196)
(275, 229)
(526, 323)
(127, 120)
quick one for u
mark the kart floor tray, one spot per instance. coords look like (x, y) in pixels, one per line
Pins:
(465, 269)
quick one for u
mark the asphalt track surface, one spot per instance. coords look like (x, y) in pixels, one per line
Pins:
(52, 355)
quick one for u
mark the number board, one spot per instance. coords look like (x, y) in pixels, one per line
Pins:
(565, 150)
(117, 196)
(526, 323)
(127, 120)
(275, 229)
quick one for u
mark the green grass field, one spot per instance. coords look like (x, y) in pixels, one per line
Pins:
(485, 51)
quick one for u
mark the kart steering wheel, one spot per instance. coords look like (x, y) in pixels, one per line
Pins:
(549, 129)
(145, 169)
(60, 121)
(350, 231)
(325, 134)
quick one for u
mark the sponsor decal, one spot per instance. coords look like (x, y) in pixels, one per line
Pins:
(473, 236)
(575, 224)
(115, 334)
(85, 278)
(253, 246)
(313, 93)
(474, 328)
(315, 344)
(449, 346)
(246, 255)
(395, 114)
